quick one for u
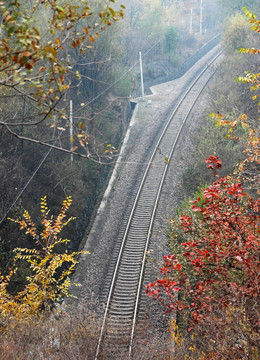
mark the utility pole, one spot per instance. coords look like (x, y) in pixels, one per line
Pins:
(200, 17)
(191, 21)
(71, 131)
(141, 72)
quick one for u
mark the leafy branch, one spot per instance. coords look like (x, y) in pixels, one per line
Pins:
(49, 281)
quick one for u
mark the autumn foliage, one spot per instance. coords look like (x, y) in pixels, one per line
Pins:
(220, 251)
(40, 47)
(211, 280)
(218, 266)
(50, 269)
(23, 46)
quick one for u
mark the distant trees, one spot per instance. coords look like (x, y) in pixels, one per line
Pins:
(231, 7)
(164, 23)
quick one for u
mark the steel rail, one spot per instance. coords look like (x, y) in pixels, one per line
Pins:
(159, 192)
(112, 285)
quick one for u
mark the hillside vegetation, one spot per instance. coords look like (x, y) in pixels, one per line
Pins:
(87, 53)
(210, 278)
(55, 52)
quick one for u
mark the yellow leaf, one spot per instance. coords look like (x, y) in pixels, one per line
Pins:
(91, 39)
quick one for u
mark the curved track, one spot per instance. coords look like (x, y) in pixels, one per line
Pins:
(127, 281)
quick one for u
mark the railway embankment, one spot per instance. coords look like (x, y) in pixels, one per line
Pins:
(148, 118)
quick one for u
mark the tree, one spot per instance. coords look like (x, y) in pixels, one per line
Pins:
(36, 66)
(153, 20)
(50, 266)
(214, 268)
(171, 38)
(237, 33)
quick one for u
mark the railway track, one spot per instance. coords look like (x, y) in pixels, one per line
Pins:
(122, 305)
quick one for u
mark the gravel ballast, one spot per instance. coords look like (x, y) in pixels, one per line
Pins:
(144, 128)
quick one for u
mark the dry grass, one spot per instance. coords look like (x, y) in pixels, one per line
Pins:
(73, 337)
